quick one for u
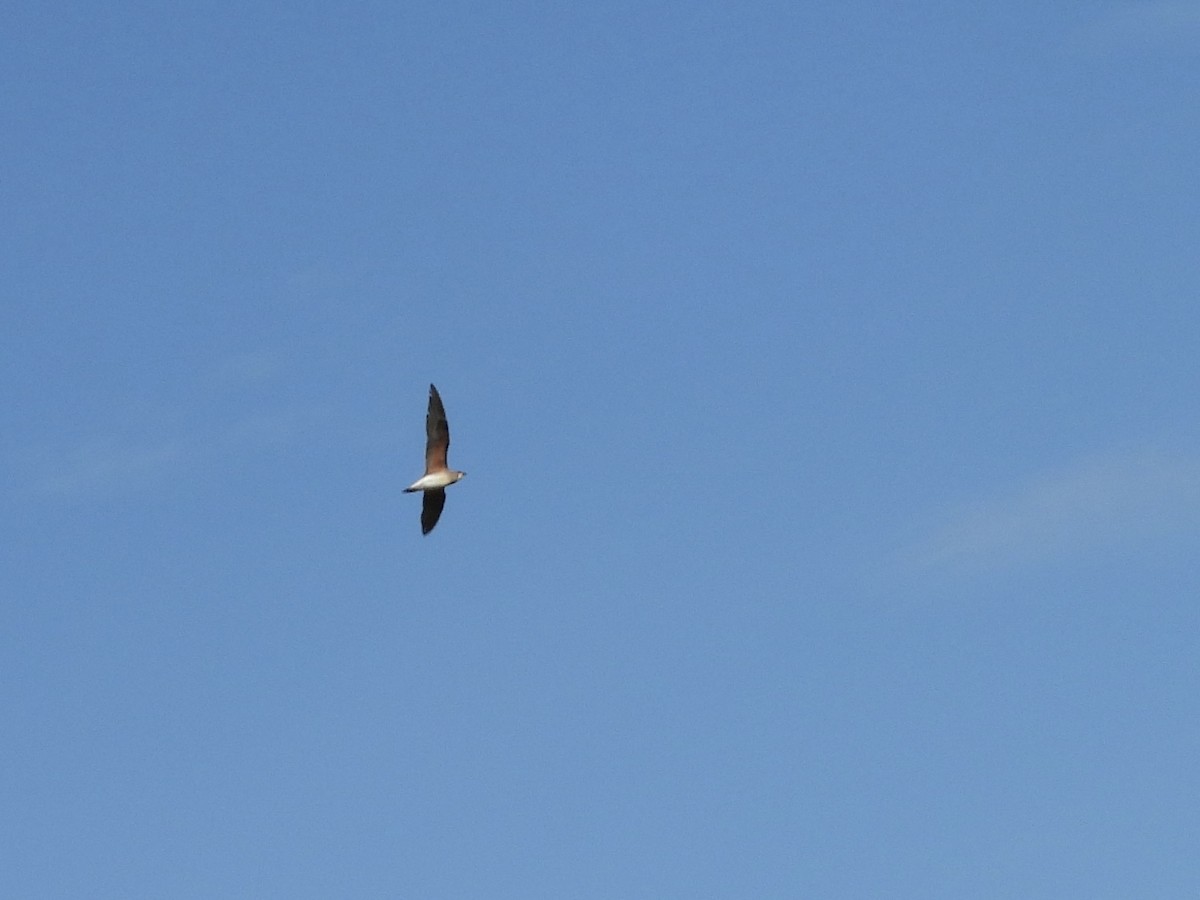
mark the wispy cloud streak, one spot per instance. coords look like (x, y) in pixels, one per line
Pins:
(1139, 27)
(129, 459)
(107, 467)
(251, 366)
(110, 466)
(1097, 502)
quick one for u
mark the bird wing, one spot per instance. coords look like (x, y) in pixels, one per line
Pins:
(431, 509)
(437, 434)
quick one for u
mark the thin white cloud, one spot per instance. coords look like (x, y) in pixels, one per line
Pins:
(107, 466)
(128, 460)
(257, 431)
(1141, 27)
(1100, 502)
(249, 367)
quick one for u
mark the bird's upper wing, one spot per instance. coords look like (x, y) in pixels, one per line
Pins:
(437, 435)
(431, 509)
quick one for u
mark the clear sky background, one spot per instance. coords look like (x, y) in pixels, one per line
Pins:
(827, 378)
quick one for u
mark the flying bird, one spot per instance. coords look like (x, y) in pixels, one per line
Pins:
(438, 475)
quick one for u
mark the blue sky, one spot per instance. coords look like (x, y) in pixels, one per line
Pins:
(826, 375)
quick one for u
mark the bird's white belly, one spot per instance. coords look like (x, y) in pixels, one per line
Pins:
(432, 482)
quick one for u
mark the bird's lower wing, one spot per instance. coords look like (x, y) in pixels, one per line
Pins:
(431, 509)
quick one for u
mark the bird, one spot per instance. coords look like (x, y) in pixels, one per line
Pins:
(438, 475)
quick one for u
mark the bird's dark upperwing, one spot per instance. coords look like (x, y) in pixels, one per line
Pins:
(431, 509)
(437, 435)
